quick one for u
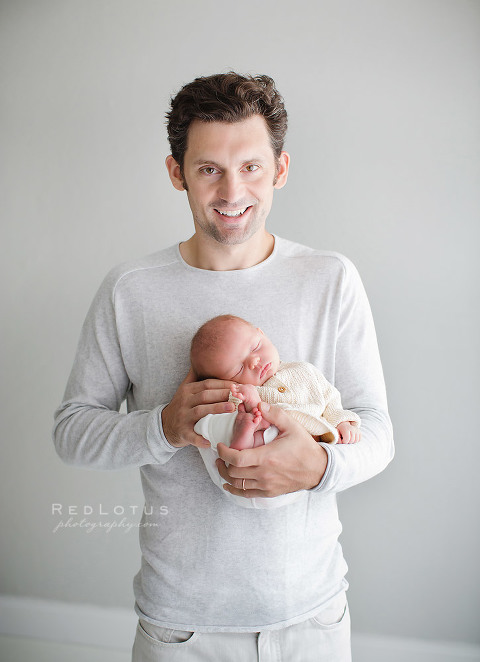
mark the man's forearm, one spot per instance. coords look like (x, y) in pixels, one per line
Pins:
(351, 464)
(101, 439)
(315, 474)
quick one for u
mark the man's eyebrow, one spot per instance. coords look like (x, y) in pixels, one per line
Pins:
(204, 161)
(255, 159)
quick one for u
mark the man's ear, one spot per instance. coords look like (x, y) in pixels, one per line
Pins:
(174, 173)
(283, 164)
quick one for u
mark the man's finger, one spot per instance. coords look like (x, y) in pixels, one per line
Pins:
(247, 493)
(191, 439)
(212, 384)
(199, 441)
(276, 416)
(234, 475)
(216, 408)
(209, 396)
(249, 457)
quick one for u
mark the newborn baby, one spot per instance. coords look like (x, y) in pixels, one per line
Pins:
(230, 348)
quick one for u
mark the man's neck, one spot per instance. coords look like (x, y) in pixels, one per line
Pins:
(210, 255)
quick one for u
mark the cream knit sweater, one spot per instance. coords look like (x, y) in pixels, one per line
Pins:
(302, 390)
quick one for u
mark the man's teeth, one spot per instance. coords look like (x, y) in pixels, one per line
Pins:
(238, 212)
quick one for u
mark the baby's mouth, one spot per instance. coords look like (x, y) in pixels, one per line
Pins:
(264, 370)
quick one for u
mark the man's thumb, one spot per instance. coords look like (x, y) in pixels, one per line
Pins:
(273, 414)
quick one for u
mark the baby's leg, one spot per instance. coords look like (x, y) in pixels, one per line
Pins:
(247, 393)
(258, 438)
(245, 433)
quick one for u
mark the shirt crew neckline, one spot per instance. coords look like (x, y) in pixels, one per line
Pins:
(260, 265)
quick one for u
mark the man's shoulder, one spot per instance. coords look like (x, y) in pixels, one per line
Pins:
(142, 266)
(308, 257)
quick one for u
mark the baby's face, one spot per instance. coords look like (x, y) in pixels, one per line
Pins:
(247, 356)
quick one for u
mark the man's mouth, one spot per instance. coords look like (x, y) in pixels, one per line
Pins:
(236, 213)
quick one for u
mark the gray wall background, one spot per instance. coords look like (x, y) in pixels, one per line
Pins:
(383, 99)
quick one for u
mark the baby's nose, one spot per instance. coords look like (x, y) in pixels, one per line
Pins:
(254, 362)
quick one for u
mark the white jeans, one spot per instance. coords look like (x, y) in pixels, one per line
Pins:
(324, 638)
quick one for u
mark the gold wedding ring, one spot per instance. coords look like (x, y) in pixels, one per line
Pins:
(243, 484)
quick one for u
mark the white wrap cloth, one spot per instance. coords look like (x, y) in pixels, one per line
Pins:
(219, 428)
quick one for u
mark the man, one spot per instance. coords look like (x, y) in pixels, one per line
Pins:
(217, 581)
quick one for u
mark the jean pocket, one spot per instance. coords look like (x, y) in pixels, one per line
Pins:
(160, 635)
(333, 615)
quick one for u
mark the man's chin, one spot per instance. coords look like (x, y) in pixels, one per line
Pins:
(234, 235)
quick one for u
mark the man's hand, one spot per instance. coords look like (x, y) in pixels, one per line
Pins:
(293, 461)
(192, 401)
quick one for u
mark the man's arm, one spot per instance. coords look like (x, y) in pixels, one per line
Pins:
(359, 379)
(89, 430)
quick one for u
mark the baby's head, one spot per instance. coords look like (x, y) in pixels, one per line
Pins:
(229, 347)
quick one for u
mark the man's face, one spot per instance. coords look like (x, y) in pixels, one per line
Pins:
(230, 173)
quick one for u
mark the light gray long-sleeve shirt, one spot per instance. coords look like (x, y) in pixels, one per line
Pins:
(207, 564)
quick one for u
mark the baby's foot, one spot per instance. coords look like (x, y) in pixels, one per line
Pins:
(262, 424)
(244, 428)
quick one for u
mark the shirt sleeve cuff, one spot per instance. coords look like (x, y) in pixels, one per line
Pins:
(328, 468)
(157, 442)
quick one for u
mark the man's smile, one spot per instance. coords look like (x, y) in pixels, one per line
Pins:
(237, 213)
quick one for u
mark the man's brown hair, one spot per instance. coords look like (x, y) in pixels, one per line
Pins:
(228, 97)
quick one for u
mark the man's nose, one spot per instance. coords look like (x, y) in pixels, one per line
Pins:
(230, 187)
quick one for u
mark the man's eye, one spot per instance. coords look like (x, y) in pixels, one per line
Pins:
(209, 170)
(251, 167)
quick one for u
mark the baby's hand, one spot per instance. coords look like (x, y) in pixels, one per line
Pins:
(348, 433)
(236, 392)
(247, 393)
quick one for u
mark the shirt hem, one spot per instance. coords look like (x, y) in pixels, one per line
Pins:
(279, 625)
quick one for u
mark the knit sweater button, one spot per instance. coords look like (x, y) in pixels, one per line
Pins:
(282, 389)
